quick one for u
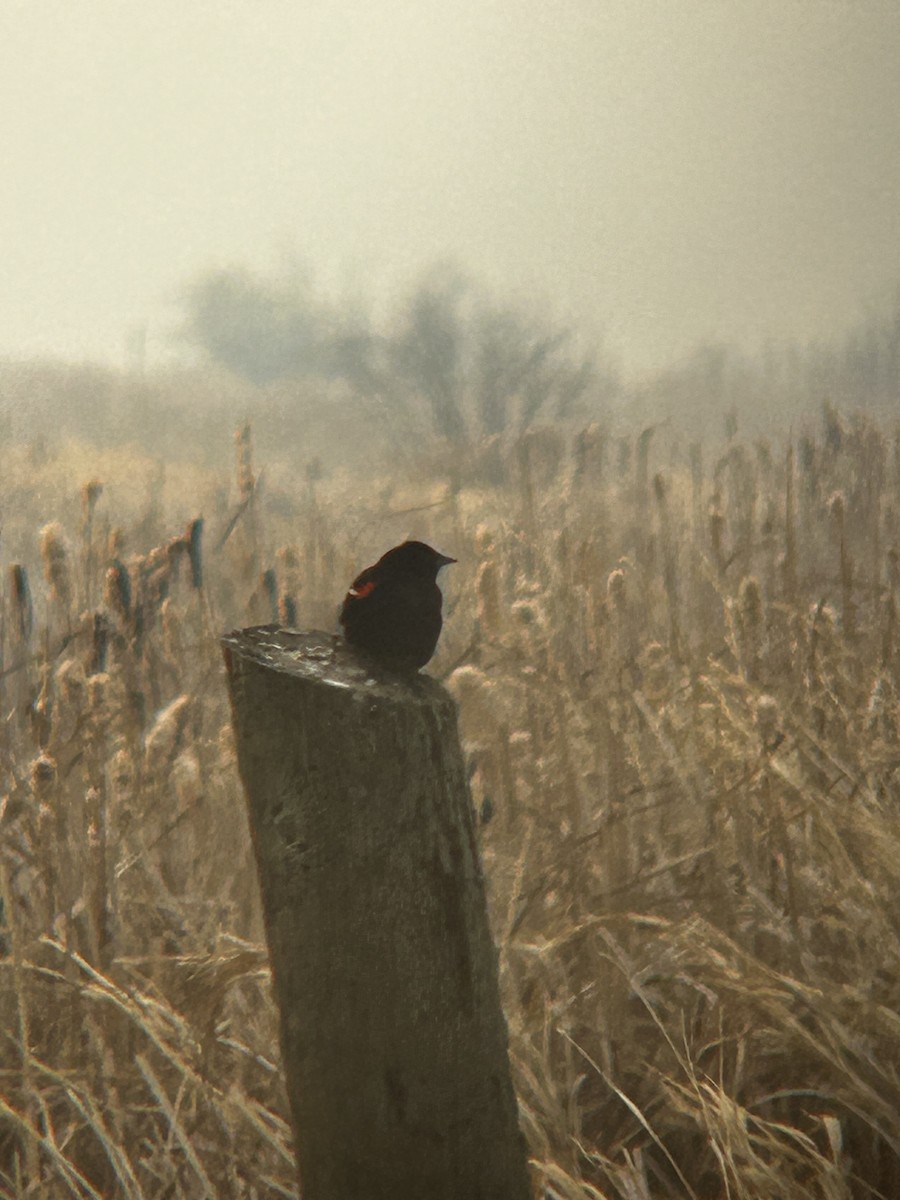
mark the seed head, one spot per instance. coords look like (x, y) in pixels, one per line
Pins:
(55, 558)
(617, 589)
(43, 774)
(750, 601)
(767, 720)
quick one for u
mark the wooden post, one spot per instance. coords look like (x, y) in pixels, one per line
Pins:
(385, 974)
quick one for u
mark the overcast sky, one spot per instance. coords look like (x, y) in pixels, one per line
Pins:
(665, 171)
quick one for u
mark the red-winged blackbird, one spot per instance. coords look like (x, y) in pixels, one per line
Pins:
(393, 609)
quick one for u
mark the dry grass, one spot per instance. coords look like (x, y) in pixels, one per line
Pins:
(679, 693)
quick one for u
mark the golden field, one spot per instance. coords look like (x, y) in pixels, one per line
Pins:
(677, 668)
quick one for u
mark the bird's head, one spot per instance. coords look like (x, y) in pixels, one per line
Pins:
(417, 558)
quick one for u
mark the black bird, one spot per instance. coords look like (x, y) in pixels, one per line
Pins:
(393, 608)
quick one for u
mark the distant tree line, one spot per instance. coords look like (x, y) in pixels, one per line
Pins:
(780, 384)
(450, 361)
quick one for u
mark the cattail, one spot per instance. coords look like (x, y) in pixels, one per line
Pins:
(481, 706)
(137, 627)
(822, 634)
(824, 619)
(588, 449)
(520, 743)
(529, 512)
(717, 534)
(670, 566)
(623, 462)
(695, 454)
(312, 523)
(165, 737)
(90, 494)
(612, 622)
(656, 671)
(845, 565)
(246, 548)
(71, 683)
(57, 569)
(187, 778)
(742, 485)
(528, 613)
(115, 543)
(530, 627)
(40, 713)
(488, 603)
(43, 774)
(836, 508)
(96, 895)
(642, 463)
(288, 561)
(287, 610)
(326, 555)
(244, 450)
(750, 603)
(485, 540)
(768, 722)
(477, 701)
(767, 518)
(171, 628)
(97, 692)
(288, 564)
(121, 770)
(158, 571)
(883, 709)
(835, 431)
(269, 586)
(117, 589)
(24, 609)
(100, 632)
(225, 743)
(194, 541)
(70, 693)
(177, 550)
(617, 590)
(790, 532)
(540, 453)
(750, 612)
(806, 449)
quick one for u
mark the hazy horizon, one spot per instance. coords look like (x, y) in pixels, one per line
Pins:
(661, 174)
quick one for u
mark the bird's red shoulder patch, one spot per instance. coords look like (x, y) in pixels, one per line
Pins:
(362, 590)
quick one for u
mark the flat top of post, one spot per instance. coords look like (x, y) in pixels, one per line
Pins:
(325, 658)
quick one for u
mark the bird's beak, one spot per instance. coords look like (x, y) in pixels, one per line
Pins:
(445, 560)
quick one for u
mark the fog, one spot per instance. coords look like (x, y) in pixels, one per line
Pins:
(659, 173)
(600, 299)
